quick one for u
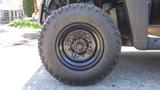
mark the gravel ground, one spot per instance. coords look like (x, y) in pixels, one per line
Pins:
(21, 67)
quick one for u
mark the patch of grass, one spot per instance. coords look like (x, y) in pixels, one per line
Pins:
(25, 24)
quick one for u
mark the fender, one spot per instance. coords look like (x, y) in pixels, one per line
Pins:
(138, 18)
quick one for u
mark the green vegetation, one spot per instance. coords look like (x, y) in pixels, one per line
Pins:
(28, 7)
(25, 24)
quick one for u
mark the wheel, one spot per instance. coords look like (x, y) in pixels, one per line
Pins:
(79, 44)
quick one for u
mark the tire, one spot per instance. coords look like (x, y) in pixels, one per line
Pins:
(79, 44)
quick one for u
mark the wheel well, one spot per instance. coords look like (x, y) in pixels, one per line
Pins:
(124, 25)
(49, 5)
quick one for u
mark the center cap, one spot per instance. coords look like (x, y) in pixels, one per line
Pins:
(79, 46)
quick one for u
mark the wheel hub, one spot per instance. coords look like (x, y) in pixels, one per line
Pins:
(79, 45)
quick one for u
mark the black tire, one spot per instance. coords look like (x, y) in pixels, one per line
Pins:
(109, 43)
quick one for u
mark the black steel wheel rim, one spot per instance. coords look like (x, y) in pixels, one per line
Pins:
(79, 46)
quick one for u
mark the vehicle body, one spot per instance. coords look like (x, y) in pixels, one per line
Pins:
(135, 19)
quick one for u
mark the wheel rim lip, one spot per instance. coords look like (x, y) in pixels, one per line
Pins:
(67, 61)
